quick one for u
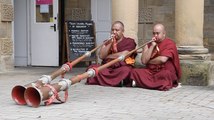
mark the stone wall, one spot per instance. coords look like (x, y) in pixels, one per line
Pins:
(157, 11)
(197, 72)
(6, 42)
(209, 26)
(163, 11)
(195, 68)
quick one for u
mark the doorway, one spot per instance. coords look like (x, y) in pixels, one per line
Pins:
(33, 46)
(44, 33)
(72, 10)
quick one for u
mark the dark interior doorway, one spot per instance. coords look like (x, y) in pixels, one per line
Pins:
(71, 10)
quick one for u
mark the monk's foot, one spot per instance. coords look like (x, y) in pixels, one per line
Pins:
(133, 83)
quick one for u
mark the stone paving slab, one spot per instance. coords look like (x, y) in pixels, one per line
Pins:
(92, 102)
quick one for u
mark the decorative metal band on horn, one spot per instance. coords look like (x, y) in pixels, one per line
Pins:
(46, 79)
(64, 83)
(121, 58)
(66, 67)
(88, 54)
(92, 72)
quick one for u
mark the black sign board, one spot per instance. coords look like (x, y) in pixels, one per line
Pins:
(80, 39)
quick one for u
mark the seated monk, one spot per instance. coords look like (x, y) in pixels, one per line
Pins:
(162, 67)
(112, 49)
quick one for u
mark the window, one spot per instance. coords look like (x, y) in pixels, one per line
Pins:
(44, 10)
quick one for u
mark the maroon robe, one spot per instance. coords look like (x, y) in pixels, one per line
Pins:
(163, 76)
(113, 75)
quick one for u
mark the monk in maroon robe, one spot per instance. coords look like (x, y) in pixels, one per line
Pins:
(115, 47)
(160, 57)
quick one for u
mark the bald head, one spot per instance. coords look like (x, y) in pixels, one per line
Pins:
(117, 30)
(159, 27)
(118, 23)
(159, 32)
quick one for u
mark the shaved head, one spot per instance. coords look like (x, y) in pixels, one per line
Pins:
(117, 30)
(159, 32)
(119, 23)
(160, 27)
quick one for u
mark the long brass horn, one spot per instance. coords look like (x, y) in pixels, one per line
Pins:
(18, 91)
(35, 96)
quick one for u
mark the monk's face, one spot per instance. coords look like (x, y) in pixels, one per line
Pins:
(118, 30)
(159, 32)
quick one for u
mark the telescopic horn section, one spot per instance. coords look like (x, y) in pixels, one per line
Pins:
(19, 91)
(18, 94)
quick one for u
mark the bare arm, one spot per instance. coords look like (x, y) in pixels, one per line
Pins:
(104, 50)
(147, 52)
(116, 55)
(158, 60)
(146, 55)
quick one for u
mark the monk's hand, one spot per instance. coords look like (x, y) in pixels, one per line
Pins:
(112, 37)
(109, 41)
(154, 41)
(154, 44)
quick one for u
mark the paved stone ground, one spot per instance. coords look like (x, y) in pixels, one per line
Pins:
(91, 102)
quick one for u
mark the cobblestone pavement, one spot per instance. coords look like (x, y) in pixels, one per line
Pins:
(92, 102)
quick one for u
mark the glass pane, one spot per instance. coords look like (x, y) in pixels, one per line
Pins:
(44, 10)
